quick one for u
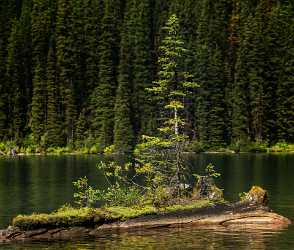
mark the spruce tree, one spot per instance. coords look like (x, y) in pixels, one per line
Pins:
(285, 90)
(53, 121)
(123, 127)
(142, 108)
(40, 31)
(65, 63)
(170, 91)
(7, 13)
(38, 105)
(103, 97)
(211, 112)
(18, 73)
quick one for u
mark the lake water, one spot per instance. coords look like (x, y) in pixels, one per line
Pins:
(42, 184)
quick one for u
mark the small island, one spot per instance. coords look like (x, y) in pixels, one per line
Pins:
(74, 223)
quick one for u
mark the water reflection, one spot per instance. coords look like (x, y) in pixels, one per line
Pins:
(175, 238)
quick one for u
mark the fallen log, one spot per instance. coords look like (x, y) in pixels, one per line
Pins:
(251, 212)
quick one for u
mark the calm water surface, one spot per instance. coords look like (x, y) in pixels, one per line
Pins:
(42, 184)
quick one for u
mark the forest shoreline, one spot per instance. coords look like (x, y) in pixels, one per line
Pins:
(66, 151)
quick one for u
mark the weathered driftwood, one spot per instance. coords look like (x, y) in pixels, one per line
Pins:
(251, 212)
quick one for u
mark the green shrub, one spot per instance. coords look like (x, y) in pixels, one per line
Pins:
(84, 150)
(2, 147)
(28, 141)
(86, 195)
(282, 147)
(58, 150)
(257, 147)
(117, 195)
(95, 149)
(196, 147)
(109, 150)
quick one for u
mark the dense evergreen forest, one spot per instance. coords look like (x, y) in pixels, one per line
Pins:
(74, 72)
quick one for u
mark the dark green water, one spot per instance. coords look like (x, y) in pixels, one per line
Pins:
(31, 184)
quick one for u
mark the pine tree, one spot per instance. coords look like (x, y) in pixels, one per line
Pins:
(170, 91)
(18, 73)
(40, 31)
(38, 105)
(65, 63)
(241, 111)
(91, 16)
(142, 108)
(123, 127)
(7, 13)
(285, 90)
(103, 97)
(53, 122)
(211, 112)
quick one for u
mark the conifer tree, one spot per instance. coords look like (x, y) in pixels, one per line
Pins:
(7, 13)
(38, 105)
(285, 91)
(103, 97)
(142, 108)
(40, 31)
(18, 73)
(170, 91)
(211, 112)
(64, 42)
(123, 127)
(53, 122)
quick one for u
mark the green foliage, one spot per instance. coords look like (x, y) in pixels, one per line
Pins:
(53, 122)
(209, 172)
(75, 72)
(282, 147)
(85, 196)
(109, 150)
(58, 150)
(102, 97)
(196, 146)
(163, 153)
(122, 190)
(38, 106)
(253, 147)
(243, 196)
(121, 195)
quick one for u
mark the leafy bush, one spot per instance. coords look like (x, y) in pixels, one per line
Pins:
(58, 150)
(282, 147)
(247, 146)
(109, 150)
(196, 147)
(243, 196)
(2, 147)
(257, 147)
(117, 195)
(95, 149)
(86, 195)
